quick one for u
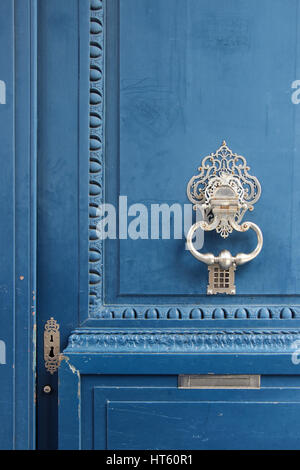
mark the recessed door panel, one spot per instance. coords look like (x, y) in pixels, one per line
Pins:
(168, 418)
(192, 73)
(203, 426)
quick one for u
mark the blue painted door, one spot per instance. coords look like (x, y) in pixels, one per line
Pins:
(132, 94)
(18, 227)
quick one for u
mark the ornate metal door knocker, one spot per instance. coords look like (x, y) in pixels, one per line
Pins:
(224, 191)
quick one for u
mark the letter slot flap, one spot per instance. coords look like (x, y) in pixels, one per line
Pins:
(219, 381)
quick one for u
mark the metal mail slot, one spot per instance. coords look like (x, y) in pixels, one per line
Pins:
(219, 381)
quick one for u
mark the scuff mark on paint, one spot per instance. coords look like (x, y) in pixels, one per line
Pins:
(74, 371)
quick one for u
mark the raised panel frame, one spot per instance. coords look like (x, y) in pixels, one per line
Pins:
(101, 37)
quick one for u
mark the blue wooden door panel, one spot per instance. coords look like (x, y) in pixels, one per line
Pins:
(18, 222)
(168, 418)
(6, 240)
(63, 133)
(132, 94)
(192, 73)
(203, 426)
(89, 381)
(178, 77)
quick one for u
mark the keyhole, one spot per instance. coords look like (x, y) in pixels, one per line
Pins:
(210, 216)
(51, 339)
(51, 353)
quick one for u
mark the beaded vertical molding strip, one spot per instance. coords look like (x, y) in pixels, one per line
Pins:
(96, 164)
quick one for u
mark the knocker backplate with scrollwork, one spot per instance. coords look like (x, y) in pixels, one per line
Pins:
(218, 163)
(224, 168)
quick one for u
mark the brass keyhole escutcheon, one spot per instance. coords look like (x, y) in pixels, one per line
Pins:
(52, 345)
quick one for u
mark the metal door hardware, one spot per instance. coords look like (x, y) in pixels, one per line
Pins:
(219, 381)
(52, 346)
(223, 190)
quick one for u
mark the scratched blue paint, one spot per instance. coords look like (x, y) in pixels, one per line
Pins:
(118, 393)
(260, 425)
